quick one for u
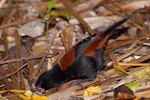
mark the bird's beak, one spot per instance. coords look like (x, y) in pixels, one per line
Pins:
(40, 90)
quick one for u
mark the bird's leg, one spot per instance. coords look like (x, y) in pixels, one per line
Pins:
(78, 82)
(101, 73)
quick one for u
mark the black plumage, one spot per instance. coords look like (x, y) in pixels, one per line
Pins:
(82, 61)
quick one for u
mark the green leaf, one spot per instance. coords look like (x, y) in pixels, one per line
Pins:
(65, 14)
(133, 85)
(141, 72)
(51, 4)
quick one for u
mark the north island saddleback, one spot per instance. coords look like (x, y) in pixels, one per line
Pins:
(82, 61)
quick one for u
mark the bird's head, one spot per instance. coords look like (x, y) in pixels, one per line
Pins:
(44, 82)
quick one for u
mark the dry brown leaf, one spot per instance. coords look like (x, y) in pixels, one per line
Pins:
(123, 92)
(66, 37)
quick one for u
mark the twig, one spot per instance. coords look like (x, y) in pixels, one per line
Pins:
(16, 23)
(18, 64)
(128, 53)
(114, 11)
(8, 75)
(118, 44)
(27, 58)
(96, 4)
(12, 68)
(144, 58)
(77, 16)
(34, 73)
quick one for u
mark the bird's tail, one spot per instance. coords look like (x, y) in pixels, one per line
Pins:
(99, 41)
(115, 25)
(111, 29)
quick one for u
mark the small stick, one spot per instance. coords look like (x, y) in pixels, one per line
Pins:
(8, 75)
(128, 53)
(78, 17)
(27, 58)
(16, 23)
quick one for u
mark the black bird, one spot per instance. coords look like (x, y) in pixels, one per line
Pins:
(82, 61)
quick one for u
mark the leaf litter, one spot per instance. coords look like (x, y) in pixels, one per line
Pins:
(30, 46)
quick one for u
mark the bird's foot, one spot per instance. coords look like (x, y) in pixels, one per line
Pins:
(77, 83)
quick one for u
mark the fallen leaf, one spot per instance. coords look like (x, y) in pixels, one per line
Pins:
(120, 70)
(92, 90)
(141, 72)
(32, 29)
(133, 85)
(123, 93)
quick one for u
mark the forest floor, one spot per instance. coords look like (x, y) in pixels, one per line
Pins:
(35, 34)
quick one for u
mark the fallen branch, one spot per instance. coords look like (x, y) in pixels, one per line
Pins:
(27, 58)
(16, 23)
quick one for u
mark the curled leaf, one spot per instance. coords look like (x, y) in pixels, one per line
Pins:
(120, 70)
(60, 14)
(92, 90)
(23, 97)
(123, 93)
